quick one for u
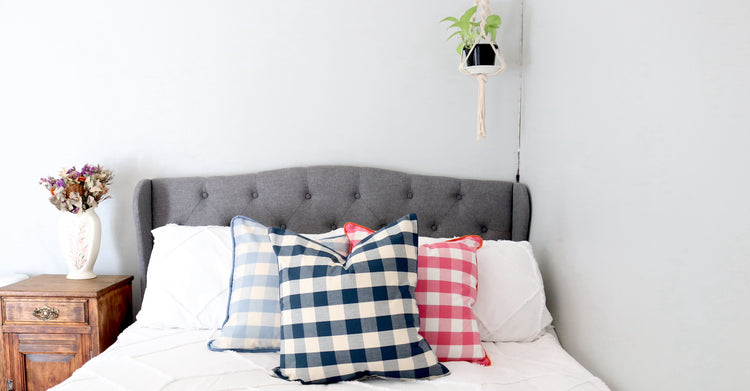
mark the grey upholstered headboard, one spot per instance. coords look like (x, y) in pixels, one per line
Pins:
(320, 198)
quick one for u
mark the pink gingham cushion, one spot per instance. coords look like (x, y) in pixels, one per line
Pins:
(445, 293)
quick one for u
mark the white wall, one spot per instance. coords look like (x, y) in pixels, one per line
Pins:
(174, 88)
(636, 153)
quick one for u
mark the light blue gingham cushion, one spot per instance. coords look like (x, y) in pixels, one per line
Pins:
(252, 322)
(349, 318)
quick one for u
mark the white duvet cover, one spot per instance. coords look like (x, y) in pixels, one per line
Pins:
(173, 359)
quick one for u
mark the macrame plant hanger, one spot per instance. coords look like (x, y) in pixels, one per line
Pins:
(481, 72)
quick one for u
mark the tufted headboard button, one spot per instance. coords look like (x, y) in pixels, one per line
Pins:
(287, 195)
(333, 227)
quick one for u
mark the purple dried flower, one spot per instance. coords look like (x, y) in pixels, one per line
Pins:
(60, 183)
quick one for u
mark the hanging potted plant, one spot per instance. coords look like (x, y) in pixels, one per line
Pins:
(470, 33)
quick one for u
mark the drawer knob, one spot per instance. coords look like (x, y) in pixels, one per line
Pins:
(46, 312)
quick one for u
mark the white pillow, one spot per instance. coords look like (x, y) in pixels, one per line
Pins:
(511, 305)
(188, 278)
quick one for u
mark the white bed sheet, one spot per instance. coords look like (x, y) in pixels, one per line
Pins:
(172, 359)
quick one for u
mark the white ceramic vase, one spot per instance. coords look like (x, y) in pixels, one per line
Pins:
(80, 236)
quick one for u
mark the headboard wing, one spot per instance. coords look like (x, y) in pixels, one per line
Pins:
(321, 198)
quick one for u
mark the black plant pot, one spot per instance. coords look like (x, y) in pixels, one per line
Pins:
(482, 54)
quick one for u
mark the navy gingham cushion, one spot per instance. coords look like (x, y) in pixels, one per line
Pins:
(252, 322)
(344, 319)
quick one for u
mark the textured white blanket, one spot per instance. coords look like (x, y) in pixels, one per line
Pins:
(171, 359)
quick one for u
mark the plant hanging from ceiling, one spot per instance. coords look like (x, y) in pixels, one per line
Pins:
(469, 31)
(477, 30)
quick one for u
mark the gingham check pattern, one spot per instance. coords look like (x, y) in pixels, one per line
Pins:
(348, 321)
(446, 292)
(252, 322)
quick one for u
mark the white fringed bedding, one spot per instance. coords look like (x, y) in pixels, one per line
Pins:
(175, 359)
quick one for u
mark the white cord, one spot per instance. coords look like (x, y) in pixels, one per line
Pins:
(520, 98)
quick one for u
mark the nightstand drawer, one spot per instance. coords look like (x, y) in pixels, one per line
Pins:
(45, 311)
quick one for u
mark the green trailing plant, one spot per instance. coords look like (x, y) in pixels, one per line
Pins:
(468, 31)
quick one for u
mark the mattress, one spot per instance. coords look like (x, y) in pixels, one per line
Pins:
(175, 359)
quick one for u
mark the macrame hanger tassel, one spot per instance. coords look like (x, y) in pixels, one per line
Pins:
(481, 127)
(481, 79)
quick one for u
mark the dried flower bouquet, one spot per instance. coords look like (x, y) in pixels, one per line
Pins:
(77, 191)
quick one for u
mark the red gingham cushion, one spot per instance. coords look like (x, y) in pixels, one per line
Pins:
(445, 293)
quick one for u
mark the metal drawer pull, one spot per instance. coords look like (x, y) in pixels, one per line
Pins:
(46, 313)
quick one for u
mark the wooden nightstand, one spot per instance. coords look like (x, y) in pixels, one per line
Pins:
(52, 325)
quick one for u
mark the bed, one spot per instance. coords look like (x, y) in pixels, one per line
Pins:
(188, 239)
